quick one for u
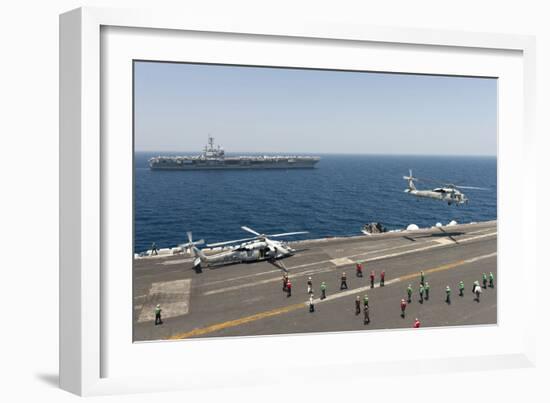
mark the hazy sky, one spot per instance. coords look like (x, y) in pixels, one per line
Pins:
(314, 111)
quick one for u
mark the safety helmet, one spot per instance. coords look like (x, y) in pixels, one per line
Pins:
(158, 305)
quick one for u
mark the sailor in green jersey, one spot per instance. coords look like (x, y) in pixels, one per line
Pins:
(422, 277)
(484, 279)
(427, 290)
(158, 319)
(421, 292)
(409, 293)
(448, 293)
(366, 300)
(323, 290)
(461, 288)
(491, 280)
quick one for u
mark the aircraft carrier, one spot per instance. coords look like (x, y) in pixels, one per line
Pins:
(247, 299)
(214, 157)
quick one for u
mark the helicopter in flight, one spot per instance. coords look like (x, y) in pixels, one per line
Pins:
(448, 192)
(246, 250)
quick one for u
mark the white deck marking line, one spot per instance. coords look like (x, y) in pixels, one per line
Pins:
(177, 261)
(270, 280)
(301, 266)
(266, 281)
(398, 279)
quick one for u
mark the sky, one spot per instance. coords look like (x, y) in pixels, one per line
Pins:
(272, 110)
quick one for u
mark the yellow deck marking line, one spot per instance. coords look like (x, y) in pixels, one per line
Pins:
(278, 311)
(237, 322)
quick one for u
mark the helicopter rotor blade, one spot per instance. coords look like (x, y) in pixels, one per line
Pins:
(471, 187)
(244, 227)
(229, 242)
(288, 234)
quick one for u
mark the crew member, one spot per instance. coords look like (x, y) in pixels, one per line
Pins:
(382, 278)
(416, 323)
(409, 293)
(359, 269)
(357, 305)
(311, 306)
(476, 283)
(154, 250)
(491, 280)
(285, 281)
(422, 277)
(288, 288)
(323, 290)
(461, 288)
(484, 280)
(477, 292)
(309, 286)
(421, 293)
(372, 279)
(427, 290)
(343, 281)
(158, 319)
(448, 294)
(366, 300)
(366, 317)
(403, 306)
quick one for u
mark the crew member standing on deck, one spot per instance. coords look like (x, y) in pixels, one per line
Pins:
(484, 280)
(403, 307)
(285, 281)
(409, 293)
(461, 288)
(158, 319)
(448, 295)
(416, 323)
(323, 290)
(476, 283)
(372, 279)
(358, 269)
(421, 293)
(366, 317)
(309, 286)
(154, 249)
(491, 280)
(422, 277)
(288, 288)
(366, 300)
(357, 305)
(427, 290)
(382, 278)
(343, 281)
(311, 306)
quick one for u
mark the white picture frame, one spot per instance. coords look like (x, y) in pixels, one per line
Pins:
(92, 359)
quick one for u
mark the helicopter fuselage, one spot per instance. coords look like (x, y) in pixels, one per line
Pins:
(245, 253)
(446, 194)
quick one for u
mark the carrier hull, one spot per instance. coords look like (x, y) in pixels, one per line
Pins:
(214, 159)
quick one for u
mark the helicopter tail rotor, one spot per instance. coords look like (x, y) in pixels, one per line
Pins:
(410, 181)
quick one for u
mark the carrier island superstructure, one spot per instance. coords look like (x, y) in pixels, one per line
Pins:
(213, 157)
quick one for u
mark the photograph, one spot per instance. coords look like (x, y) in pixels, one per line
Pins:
(274, 200)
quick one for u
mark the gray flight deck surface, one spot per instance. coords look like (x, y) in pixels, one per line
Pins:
(247, 299)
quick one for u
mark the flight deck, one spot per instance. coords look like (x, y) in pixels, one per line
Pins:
(247, 299)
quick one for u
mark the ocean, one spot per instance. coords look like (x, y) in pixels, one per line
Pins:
(336, 198)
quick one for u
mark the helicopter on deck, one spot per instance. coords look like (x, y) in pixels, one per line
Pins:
(246, 250)
(448, 192)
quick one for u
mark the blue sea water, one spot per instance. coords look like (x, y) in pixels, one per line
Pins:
(336, 198)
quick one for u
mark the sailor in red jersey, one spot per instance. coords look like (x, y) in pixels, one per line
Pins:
(403, 306)
(372, 279)
(416, 323)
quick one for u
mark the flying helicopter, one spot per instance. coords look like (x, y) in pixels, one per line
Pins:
(247, 250)
(448, 192)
